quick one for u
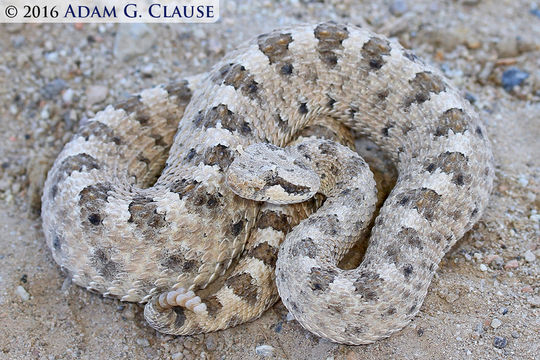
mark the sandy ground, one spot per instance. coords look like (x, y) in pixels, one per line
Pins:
(484, 301)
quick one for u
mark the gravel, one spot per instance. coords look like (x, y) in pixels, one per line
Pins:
(264, 350)
(96, 94)
(512, 264)
(398, 7)
(500, 342)
(513, 77)
(529, 256)
(133, 40)
(23, 294)
(483, 267)
(53, 88)
(495, 323)
(142, 342)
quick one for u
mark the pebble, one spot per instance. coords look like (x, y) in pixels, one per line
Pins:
(529, 256)
(515, 334)
(522, 180)
(147, 70)
(507, 47)
(96, 94)
(189, 344)
(68, 96)
(264, 350)
(495, 261)
(25, 296)
(495, 323)
(479, 328)
(512, 264)
(211, 343)
(177, 356)
(18, 41)
(535, 12)
(128, 313)
(398, 7)
(483, 267)
(534, 301)
(133, 40)
(500, 342)
(513, 77)
(142, 342)
(53, 88)
(470, 97)
(290, 317)
(13, 27)
(503, 311)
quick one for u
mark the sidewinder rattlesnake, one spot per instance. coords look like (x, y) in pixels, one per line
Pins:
(202, 258)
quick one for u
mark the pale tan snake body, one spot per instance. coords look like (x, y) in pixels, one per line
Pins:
(119, 231)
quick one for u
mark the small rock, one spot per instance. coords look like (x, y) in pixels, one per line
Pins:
(189, 344)
(53, 88)
(215, 45)
(147, 70)
(507, 47)
(522, 180)
(529, 256)
(470, 97)
(495, 323)
(535, 12)
(473, 44)
(513, 77)
(398, 7)
(503, 311)
(483, 267)
(13, 27)
(18, 41)
(133, 40)
(534, 301)
(96, 94)
(52, 57)
(142, 342)
(290, 317)
(500, 342)
(512, 264)
(515, 334)
(211, 343)
(25, 296)
(67, 96)
(264, 350)
(479, 328)
(495, 261)
(177, 356)
(128, 313)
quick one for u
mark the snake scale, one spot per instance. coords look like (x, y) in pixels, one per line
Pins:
(180, 197)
